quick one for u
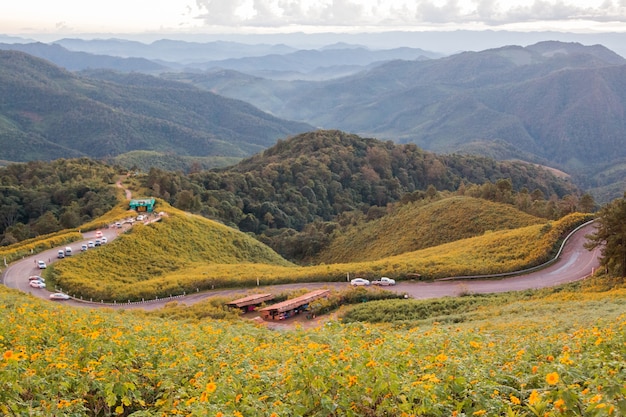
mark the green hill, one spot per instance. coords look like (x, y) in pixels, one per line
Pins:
(415, 226)
(48, 113)
(133, 265)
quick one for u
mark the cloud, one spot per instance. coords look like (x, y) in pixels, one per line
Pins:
(264, 13)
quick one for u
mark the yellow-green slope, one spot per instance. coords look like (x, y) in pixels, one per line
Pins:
(412, 227)
(150, 252)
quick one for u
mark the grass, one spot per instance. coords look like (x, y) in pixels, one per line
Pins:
(417, 226)
(185, 253)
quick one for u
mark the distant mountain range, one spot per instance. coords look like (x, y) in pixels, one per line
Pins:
(559, 104)
(47, 112)
(553, 103)
(270, 61)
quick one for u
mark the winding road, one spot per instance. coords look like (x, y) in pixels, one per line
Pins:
(575, 263)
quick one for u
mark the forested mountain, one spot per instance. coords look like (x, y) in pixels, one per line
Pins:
(47, 113)
(37, 198)
(317, 176)
(552, 102)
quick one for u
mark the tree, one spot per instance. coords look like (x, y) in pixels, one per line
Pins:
(611, 234)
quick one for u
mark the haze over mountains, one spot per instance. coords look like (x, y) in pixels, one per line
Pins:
(553, 103)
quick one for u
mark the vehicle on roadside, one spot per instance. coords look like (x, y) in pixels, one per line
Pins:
(384, 281)
(98, 233)
(36, 278)
(98, 242)
(103, 240)
(61, 254)
(141, 218)
(68, 251)
(90, 244)
(118, 225)
(359, 282)
(41, 265)
(37, 284)
(59, 296)
(83, 248)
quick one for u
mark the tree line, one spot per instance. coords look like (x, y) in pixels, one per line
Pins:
(38, 198)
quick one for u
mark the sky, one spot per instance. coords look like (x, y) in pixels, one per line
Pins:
(73, 17)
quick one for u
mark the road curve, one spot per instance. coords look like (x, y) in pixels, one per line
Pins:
(574, 264)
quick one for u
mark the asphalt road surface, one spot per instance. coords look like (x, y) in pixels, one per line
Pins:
(574, 264)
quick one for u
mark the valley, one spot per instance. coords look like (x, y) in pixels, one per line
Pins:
(485, 183)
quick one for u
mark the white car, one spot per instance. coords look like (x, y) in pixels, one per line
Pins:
(90, 244)
(384, 281)
(41, 264)
(359, 281)
(140, 218)
(37, 284)
(59, 296)
(103, 240)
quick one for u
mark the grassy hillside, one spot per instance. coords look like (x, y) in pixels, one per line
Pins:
(417, 226)
(142, 260)
(185, 253)
(551, 355)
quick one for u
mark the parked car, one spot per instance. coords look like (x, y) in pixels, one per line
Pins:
(141, 218)
(359, 281)
(41, 264)
(98, 242)
(90, 244)
(118, 225)
(103, 240)
(98, 233)
(37, 284)
(83, 248)
(36, 278)
(61, 254)
(59, 296)
(384, 281)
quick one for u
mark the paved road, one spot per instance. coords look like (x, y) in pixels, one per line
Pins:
(575, 263)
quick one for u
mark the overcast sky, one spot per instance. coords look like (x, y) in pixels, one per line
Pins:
(27, 17)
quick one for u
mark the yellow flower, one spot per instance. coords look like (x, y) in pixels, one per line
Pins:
(479, 412)
(441, 357)
(559, 404)
(595, 399)
(237, 414)
(474, 344)
(7, 355)
(515, 400)
(211, 387)
(274, 415)
(238, 397)
(352, 380)
(534, 398)
(552, 378)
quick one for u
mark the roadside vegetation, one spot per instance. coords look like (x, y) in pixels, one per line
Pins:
(183, 253)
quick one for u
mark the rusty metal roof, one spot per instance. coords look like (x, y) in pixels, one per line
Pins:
(250, 300)
(296, 302)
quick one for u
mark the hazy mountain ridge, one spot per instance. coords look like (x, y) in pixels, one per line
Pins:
(76, 61)
(49, 113)
(552, 102)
